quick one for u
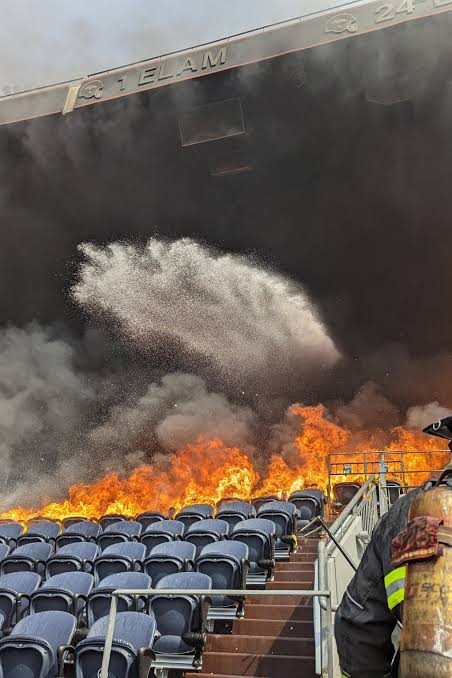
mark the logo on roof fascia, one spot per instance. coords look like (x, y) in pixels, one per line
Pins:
(154, 73)
(342, 23)
(93, 89)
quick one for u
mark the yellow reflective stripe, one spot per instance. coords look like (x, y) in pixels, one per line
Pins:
(395, 575)
(396, 598)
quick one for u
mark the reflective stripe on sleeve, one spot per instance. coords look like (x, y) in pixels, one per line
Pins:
(395, 586)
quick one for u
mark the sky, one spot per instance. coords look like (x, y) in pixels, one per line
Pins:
(43, 42)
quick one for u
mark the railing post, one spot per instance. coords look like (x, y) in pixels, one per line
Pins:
(109, 637)
(330, 637)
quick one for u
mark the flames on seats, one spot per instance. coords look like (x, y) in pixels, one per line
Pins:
(208, 471)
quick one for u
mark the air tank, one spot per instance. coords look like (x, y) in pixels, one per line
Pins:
(426, 642)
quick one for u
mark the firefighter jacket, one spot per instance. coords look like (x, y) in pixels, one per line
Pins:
(372, 604)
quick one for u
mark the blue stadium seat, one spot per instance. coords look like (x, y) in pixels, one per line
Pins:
(124, 530)
(35, 647)
(83, 531)
(131, 653)
(191, 514)
(260, 501)
(72, 520)
(161, 532)
(15, 589)
(4, 551)
(123, 557)
(259, 535)
(181, 622)
(66, 592)
(72, 557)
(41, 530)
(310, 503)
(10, 532)
(284, 516)
(226, 563)
(149, 518)
(109, 519)
(30, 557)
(169, 558)
(99, 600)
(205, 532)
(235, 511)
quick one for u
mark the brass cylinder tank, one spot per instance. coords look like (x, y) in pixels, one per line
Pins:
(426, 642)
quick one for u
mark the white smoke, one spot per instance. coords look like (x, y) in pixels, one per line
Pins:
(221, 309)
(42, 398)
(420, 416)
(176, 411)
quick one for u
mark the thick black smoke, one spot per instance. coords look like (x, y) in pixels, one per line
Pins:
(347, 197)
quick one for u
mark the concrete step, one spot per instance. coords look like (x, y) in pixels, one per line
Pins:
(210, 675)
(271, 665)
(288, 628)
(260, 645)
(281, 600)
(304, 557)
(278, 612)
(298, 566)
(295, 575)
(304, 584)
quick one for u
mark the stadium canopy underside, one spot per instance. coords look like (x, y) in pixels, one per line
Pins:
(315, 110)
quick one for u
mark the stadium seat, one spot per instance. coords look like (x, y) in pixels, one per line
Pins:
(83, 531)
(4, 551)
(72, 557)
(191, 514)
(394, 490)
(131, 652)
(343, 494)
(235, 511)
(15, 589)
(40, 531)
(99, 600)
(72, 520)
(124, 530)
(206, 531)
(149, 518)
(260, 501)
(37, 646)
(284, 516)
(226, 563)
(123, 557)
(159, 533)
(231, 500)
(10, 532)
(259, 535)
(30, 557)
(181, 622)
(310, 503)
(169, 558)
(109, 519)
(66, 592)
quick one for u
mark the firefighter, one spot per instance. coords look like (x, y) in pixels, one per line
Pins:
(371, 610)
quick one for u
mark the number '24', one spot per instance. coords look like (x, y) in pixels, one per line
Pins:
(389, 10)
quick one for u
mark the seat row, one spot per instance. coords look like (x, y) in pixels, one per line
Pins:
(164, 553)
(160, 631)
(307, 502)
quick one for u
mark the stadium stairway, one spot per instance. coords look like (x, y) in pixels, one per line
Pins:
(276, 637)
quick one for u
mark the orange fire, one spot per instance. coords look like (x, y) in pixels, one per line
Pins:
(208, 471)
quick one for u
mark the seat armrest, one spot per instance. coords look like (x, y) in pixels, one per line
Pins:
(206, 602)
(145, 658)
(19, 597)
(62, 651)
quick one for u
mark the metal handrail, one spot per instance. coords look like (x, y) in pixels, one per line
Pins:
(208, 592)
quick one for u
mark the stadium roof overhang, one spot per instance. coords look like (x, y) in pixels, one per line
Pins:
(350, 21)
